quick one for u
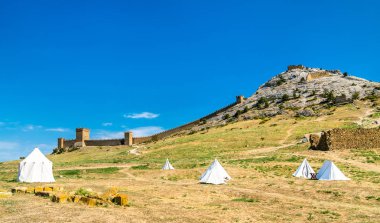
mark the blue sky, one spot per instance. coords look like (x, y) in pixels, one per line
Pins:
(113, 66)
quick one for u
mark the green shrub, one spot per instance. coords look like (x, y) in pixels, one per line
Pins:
(82, 192)
(69, 172)
(237, 114)
(355, 96)
(108, 170)
(245, 199)
(285, 97)
(140, 167)
(226, 116)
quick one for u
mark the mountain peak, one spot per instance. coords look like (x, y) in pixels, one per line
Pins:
(300, 89)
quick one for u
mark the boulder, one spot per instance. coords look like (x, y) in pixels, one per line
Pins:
(314, 141)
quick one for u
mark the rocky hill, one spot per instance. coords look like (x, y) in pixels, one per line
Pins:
(301, 91)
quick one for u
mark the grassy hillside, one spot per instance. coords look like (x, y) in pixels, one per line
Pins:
(260, 155)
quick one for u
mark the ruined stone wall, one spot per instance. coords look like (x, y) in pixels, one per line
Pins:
(317, 75)
(338, 139)
(292, 67)
(69, 143)
(138, 140)
(84, 133)
(105, 142)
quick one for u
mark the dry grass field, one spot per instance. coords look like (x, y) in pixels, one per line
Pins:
(259, 155)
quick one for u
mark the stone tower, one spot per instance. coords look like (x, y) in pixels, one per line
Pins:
(128, 138)
(240, 99)
(82, 134)
(61, 143)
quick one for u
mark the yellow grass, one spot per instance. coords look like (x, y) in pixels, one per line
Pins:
(259, 157)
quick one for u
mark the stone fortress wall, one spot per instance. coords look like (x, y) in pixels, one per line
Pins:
(83, 134)
(339, 139)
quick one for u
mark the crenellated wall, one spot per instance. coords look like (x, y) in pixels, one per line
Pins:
(82, 134)
(69, 143)
(105, 142)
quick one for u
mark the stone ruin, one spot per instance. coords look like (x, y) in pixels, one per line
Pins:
(83, 134)
(58, 195)
(340, 139)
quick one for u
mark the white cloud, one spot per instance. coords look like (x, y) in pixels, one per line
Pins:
(9, 150)
(31, 128)
(104, 134)
(106, 124)
(137, 132)
(146, 131)
(4, 145)
(146, 115)
(57, 130)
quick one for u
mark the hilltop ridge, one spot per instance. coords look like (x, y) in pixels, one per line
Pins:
(302, 91)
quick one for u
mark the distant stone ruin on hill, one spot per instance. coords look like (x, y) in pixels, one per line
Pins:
(83, 134)
(339, 139)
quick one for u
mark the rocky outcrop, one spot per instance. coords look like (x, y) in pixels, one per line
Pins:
(302, 90)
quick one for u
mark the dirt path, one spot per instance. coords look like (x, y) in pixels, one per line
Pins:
(275, 148)
(366, 114)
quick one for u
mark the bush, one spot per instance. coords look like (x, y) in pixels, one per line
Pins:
(355, 96)
(226, 116)
(262, 102)
(345, 74)
(82, 192)
(285, 97)
(281, 80)
(237, 114)
(329, 95)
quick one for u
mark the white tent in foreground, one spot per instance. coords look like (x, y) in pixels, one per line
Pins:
(215, 174)
(36, 168)
(304, 170)
(329, 171)
(167, 165)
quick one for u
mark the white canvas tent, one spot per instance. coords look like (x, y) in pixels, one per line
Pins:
(215, 174)
(304, 170)
(329, 171)
(167, 165)
(36, 168)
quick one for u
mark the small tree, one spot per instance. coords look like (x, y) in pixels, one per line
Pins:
(345, 74)
(226, 116)
(285, 97)
(329, 95)
(281, 80)
(263, 102)
(355, 96)
(237, 114)
(246, 109)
